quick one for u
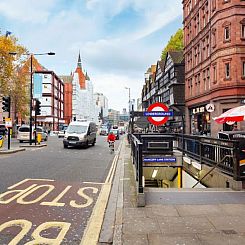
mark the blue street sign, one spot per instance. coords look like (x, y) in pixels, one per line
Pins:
(38, 86)
(161, 159)
(158, 113)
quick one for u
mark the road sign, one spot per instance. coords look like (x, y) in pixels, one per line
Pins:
(158, 114)
(8, 122)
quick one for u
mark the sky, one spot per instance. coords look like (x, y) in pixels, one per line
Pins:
(118, 39)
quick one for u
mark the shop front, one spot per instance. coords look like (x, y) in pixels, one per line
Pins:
(200, 121)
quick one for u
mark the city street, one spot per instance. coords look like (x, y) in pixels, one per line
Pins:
(51, 190)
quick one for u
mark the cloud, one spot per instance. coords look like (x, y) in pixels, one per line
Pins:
(118, 55)
(118, 39)
(27, 10)
(113, 87)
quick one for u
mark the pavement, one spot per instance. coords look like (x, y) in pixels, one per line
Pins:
(170, 216)
(17, 147)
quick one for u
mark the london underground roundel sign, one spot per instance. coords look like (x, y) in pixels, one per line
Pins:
(158, 114)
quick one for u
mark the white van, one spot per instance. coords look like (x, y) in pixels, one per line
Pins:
(80, 134)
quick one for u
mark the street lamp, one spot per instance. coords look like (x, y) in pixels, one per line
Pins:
(129, 100)
(31, 94)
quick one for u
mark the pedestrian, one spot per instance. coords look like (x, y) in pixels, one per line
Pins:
(235, 128)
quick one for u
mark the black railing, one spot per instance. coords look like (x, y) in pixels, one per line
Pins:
(204, 150)
(211, 151)
(136, 153)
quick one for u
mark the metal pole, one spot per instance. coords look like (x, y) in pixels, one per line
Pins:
(35, 135)
(8, 127)
(129, 100)
(30, 136)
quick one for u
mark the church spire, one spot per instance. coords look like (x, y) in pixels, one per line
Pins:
(79, 62)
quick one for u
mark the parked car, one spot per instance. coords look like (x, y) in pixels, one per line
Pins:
(24, 133)
(116, 132)
(3, 129)
(80, 134)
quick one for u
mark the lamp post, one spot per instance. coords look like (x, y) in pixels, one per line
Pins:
(31, 86)
(129, 100)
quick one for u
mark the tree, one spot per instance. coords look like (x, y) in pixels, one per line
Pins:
(12, 82)
(175, 43)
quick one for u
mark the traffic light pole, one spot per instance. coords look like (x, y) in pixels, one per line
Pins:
(9, 127)
(35, 128)
(6, 108)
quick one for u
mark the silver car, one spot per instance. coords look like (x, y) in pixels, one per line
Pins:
(24, 133)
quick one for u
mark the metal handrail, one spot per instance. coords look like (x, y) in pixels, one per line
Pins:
(222, 160)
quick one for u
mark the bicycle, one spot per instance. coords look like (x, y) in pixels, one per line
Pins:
(111, 146)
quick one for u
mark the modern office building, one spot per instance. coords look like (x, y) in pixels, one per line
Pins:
(51, 98)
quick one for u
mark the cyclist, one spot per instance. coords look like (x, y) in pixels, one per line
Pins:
(111, 137)
(111, 140)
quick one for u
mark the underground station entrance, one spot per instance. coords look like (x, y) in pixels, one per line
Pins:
(161, 165)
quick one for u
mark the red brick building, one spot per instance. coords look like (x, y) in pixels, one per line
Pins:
(214, 39)
(67, 98)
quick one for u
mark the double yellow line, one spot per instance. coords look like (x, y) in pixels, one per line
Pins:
(92, 231)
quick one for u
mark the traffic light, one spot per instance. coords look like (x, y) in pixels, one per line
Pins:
(6, 103)
(38, 107)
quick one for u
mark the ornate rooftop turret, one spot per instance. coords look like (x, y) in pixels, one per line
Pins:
(79, 62)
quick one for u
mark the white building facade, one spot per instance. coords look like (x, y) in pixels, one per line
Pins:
(101, 102)
(83, 103)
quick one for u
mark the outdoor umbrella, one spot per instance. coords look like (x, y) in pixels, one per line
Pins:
(236, 114)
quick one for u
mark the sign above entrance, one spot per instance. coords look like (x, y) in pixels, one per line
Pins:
(210, 107)
(158, 114)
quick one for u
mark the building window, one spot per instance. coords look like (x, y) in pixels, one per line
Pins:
(227, 71)
(203, 49)
(198, 22)
(214, 74)
(208, 79)
(242, 28)
(207, 42)
(214, 38)
(213, 5)
(227, 33)
(243, 31)
(204, 80)
(243, 69)
(198, 53)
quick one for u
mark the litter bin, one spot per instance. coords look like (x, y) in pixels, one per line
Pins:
(39, 138)
(1, 141)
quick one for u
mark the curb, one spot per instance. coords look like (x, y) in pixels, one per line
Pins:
(11, 151)
(110, 222)
(33, 146)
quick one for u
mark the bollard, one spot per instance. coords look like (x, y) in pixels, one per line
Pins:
(39, 138)
(1, 141)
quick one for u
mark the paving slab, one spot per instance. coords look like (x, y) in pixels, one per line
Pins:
(229, 223)
(199, 210)
(177, 239)
(234, 209)
(135, 239)
(161, 211)
(221, 239)
(140, 225)
(181, 225)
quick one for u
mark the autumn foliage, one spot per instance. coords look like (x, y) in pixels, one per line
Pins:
(13, 83)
